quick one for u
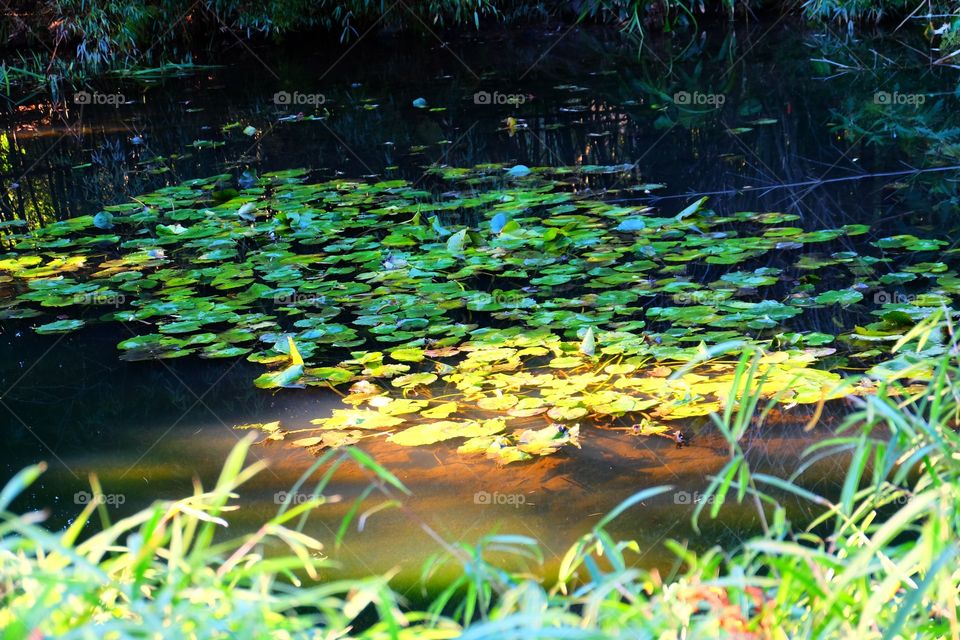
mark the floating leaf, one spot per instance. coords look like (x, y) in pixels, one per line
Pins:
(614, 369)
(357, 419)
(400, 406)
(498, 403)
(632, 224)
(566, 362)
(407, 355)
(844, 298)
(414, 380)
(548, 440)
(432, 432)
(498, 222)
(103, 220)
(334, 375)
(518, 171)
(566, 413)
(440, 411)
(60, 326)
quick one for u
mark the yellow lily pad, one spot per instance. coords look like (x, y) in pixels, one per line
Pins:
(431, 432)
(357, 419)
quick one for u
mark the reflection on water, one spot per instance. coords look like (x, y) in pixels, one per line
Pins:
(592, 100)
(148, 428)
(554, 501)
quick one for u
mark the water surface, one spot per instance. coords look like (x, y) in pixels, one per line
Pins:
(580, 98)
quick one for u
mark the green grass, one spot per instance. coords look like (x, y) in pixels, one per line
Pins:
(878, 561)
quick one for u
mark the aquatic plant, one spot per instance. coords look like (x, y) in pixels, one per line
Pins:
(877, 561)
(599, 310)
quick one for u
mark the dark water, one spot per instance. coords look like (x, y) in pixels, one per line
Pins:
(580, 97)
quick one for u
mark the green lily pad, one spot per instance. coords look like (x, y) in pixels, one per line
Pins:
(60, 326)
(844, 297)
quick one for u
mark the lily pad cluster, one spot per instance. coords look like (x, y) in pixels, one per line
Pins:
(515, 378)
(469, 307)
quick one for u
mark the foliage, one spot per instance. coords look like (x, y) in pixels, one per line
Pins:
(106, 34)
(87, 37)
(847, 12)
(878, 561)
(168, 568)
(598, 312)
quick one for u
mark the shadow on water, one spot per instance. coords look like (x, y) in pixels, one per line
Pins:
(584, 98)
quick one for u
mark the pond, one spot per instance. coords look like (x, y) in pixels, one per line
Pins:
(768, 132)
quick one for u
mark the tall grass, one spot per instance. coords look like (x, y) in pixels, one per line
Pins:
(162, 572)
(879, 560)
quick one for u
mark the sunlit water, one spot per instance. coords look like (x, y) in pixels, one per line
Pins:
(147, 429)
